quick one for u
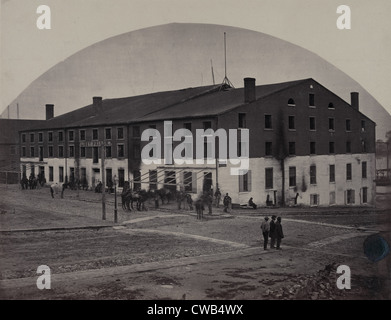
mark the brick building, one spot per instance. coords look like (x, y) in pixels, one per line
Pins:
(9, 147)
(305, 143)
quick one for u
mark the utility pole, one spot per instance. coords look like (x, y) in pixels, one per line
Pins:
(103, 182)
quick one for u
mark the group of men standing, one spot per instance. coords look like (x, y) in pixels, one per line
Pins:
(272, 229)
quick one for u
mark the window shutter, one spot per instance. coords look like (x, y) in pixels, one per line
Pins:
(249, 180)
(240, 183)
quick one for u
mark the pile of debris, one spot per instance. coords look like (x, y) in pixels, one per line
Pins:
(318, 286)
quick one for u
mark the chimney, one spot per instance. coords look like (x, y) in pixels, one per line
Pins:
(354, 100)
(97, 103)
(49, 111)
(249, 89)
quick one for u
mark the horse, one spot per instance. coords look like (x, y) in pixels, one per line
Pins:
(199, 204)
(164, 194)
(128, 197)
(33, 182)
(24, 183)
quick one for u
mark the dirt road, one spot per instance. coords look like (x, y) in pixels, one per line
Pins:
(169, 254)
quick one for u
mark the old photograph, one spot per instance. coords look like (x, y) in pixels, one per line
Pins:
(195, 151)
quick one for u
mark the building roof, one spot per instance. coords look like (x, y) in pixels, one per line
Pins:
(186, 103)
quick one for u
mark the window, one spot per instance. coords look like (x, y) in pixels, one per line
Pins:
(108, 151)
(23, 151)
(82, 152)
(71, 151)
(108, 133)
(120, 133)
(331, 124)
(23, 137)
(50, 151)
(314, 199)
(188, 181)
(292, 176)
(120, 151)
(291, 102)
(136, 179)
(61, 174)
(82, 135)
(292, 148)
(83, 175)
(95, 134)
(71, 135)
(312, 174)
(153, 180)
(332, 173)
(60, 151)
(95, 154)
(363, 146)
(364, 169)
(242, 120)
(51, 174)
(331, 105)
(291, 122)
(40, 137)
(208, 150)
(364, 195)
(348, 171)
(136, 151)
(207, 125)
(312, 123)
(245, 182)
(187, 126)
(312, 147)
(32, 154)
(109, 176)
(268, 178)
(121, 178)
(311, 100)
(60, 136)
(350, 196)
(268, 121)
(332, 197)
(12, 150)
(136, 131)
(348, 147)
(31, 137)
(40, 153)
(348, 125)
(50, 136)
(363, 125)
(331, 147)
(268, 148)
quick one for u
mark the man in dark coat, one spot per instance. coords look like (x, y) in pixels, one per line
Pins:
(279, 233)
(272, 232)
(227, 202)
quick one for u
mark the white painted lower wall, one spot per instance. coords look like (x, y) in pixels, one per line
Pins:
(230, 183)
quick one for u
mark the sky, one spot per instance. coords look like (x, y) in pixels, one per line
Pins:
(363, 52)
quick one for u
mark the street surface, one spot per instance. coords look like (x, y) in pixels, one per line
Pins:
(169, 254)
